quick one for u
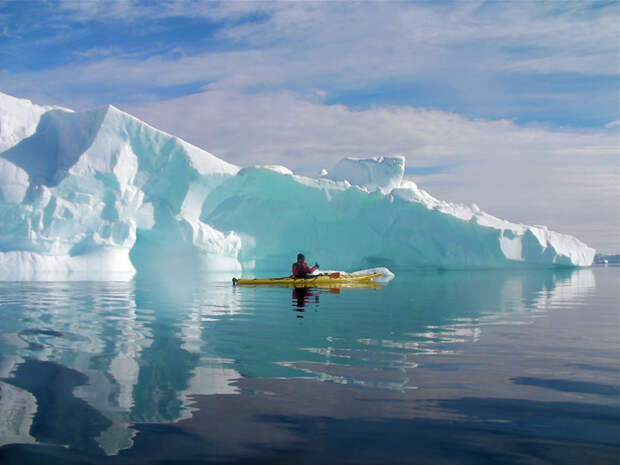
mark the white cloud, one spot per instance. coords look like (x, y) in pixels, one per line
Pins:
(349, 43)
(567, 180)
(613, 124)
(132, 11)
(102, 10)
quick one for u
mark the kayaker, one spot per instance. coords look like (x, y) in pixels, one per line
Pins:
(301, 269)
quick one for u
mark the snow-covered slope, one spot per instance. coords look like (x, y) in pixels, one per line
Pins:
(101, 194)
(18, 119)
(374, 174)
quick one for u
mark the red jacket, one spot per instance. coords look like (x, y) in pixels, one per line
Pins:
(305, 270)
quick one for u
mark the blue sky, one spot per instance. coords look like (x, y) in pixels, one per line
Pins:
(519, 97)
(467, 73)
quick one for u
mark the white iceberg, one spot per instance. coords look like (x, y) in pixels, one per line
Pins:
(100, 194)
(373, 174)
(18, 119)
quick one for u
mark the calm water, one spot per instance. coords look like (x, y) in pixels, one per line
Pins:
(515, 367)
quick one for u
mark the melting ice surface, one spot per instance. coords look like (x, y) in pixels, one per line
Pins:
(100, 195)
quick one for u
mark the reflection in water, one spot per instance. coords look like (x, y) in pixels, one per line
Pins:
(17, 409)
(139, 346)
(435, 314)
(145, 348)
(301, 296)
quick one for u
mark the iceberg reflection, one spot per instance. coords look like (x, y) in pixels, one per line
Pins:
(465, 302)
(146, 348)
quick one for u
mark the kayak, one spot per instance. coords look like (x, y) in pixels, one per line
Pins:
(322, 280)
(333, 280)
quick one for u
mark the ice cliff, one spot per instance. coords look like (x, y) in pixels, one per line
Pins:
(100, 194)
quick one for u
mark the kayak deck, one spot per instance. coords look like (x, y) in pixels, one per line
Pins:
(324, 280)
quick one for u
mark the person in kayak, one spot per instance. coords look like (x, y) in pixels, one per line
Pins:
(301, 269)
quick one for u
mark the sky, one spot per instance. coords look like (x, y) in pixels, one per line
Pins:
(511, 105)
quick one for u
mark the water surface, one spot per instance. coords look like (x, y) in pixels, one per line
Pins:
(436, 367)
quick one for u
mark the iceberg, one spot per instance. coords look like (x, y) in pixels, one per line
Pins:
(374, 174)
(19, 119)
(100, 194)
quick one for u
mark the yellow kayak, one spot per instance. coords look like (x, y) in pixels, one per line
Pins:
(323, 280)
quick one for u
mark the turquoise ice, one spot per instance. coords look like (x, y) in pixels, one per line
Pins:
(102, 195)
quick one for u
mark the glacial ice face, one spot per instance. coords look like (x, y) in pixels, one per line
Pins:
(88, 189)
(335, 223)
(101, 194)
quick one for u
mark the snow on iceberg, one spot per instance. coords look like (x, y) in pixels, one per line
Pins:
(18, 119)
(100, 194)
(373, 174)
